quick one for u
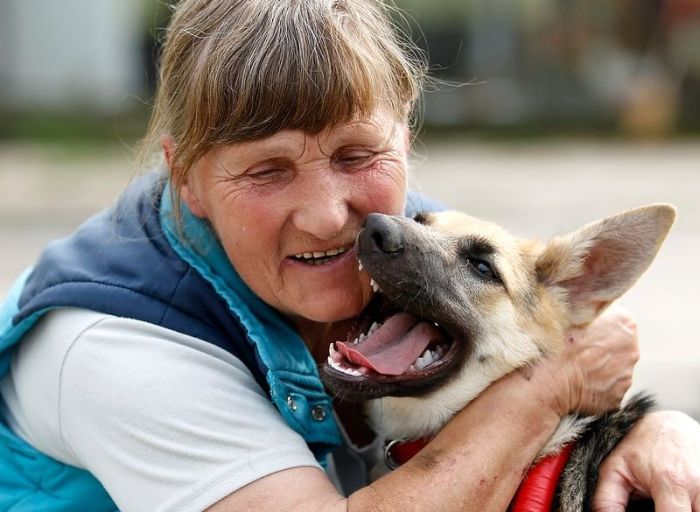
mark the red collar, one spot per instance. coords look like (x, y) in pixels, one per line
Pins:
(397, 452)
(536, 492)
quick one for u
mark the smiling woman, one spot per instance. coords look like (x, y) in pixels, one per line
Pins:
(273, 201)
(164, 357)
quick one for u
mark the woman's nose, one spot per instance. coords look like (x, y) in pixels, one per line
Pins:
(324, 211)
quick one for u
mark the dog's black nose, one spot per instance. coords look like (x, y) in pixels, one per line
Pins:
(385, 232)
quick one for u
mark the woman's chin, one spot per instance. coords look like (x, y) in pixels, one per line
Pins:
(332, 307)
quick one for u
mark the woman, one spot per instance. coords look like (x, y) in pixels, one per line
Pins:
(168, 348)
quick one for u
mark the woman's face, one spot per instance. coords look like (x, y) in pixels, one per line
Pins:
(288, 208)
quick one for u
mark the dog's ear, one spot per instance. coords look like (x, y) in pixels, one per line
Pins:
(598, 263)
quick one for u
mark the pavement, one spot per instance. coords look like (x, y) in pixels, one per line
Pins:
(534, 189)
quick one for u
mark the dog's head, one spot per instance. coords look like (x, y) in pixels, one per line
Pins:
(461, 302)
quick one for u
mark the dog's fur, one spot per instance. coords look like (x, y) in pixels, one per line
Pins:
(507, 314)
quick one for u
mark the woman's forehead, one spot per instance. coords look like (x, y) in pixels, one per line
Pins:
(378, 129)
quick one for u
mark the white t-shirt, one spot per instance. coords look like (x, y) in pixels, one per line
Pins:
(163, 420)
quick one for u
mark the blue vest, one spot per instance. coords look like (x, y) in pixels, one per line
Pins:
(133, 261)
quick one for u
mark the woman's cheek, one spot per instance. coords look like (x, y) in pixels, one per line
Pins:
(388, 189)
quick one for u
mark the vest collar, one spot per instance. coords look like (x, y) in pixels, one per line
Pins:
(295, 386)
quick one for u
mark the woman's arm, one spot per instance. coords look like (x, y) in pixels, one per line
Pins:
(478, 460)
(470, 465)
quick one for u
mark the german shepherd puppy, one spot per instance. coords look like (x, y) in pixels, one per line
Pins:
(461, 303)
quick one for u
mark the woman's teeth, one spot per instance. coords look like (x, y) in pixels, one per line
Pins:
(319, 257)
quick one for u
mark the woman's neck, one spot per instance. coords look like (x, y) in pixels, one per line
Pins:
(318, 336)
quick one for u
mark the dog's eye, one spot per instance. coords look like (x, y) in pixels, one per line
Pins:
(484, 269)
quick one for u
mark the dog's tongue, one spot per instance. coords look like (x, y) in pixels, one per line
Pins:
(392, 348)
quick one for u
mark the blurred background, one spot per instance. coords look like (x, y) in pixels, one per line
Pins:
(545, 114)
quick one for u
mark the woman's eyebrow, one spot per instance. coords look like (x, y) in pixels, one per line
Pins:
(360, 131)
(277, 146)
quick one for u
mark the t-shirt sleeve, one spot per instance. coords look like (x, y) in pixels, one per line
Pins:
(166, 421)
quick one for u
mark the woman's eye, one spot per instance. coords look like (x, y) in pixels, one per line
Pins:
(353, 158)
(267, 174)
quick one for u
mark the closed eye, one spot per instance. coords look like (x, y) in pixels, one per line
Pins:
(271, 171)
(353, 157)
(266, 174)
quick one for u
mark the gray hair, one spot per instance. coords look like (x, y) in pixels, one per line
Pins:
(238, 70)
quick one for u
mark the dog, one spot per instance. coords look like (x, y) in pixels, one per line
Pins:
(460, 303)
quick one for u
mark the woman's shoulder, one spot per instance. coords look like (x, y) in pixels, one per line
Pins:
(118, 393)
(87, 341)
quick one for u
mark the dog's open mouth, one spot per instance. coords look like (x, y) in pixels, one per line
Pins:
(401, 354)
(409, 339)
(400, 346)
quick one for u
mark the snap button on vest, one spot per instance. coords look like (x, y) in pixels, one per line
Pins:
(291, 403)
(318, 413)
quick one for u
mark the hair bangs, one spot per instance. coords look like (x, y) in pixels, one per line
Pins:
(239, 70)
(309, 71)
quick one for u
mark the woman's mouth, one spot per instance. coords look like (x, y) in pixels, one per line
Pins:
(321, 257)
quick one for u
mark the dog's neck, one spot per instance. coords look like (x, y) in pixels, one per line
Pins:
(569, 429)
(396, 418)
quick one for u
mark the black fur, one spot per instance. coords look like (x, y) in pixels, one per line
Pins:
(600, 437)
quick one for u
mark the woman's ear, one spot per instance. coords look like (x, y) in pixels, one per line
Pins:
(189, 196)
(406, 133)
(187, 192)
(168, 145)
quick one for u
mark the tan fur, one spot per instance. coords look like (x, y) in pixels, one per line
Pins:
(546, 289)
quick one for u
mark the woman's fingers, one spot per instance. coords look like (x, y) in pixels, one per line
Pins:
(603, 356)
(659, 458)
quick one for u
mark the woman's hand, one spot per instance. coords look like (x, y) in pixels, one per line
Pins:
(597, 364)
(659, 458)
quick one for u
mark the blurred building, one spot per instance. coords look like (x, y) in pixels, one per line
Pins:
(631, 64)
(82, 55)
(634, 64)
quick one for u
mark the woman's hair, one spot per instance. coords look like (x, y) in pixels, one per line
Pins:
(238, 70)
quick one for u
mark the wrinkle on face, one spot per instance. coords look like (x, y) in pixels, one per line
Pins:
(259, 221)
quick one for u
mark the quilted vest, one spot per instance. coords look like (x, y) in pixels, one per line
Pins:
(133, 261)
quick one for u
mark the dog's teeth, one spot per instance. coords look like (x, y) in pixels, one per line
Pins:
(344, 369)
(374, 285)
(373, 327)
(359, 265)
(361, 337)
(426, 359)
(355, 341)
(332, 352)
